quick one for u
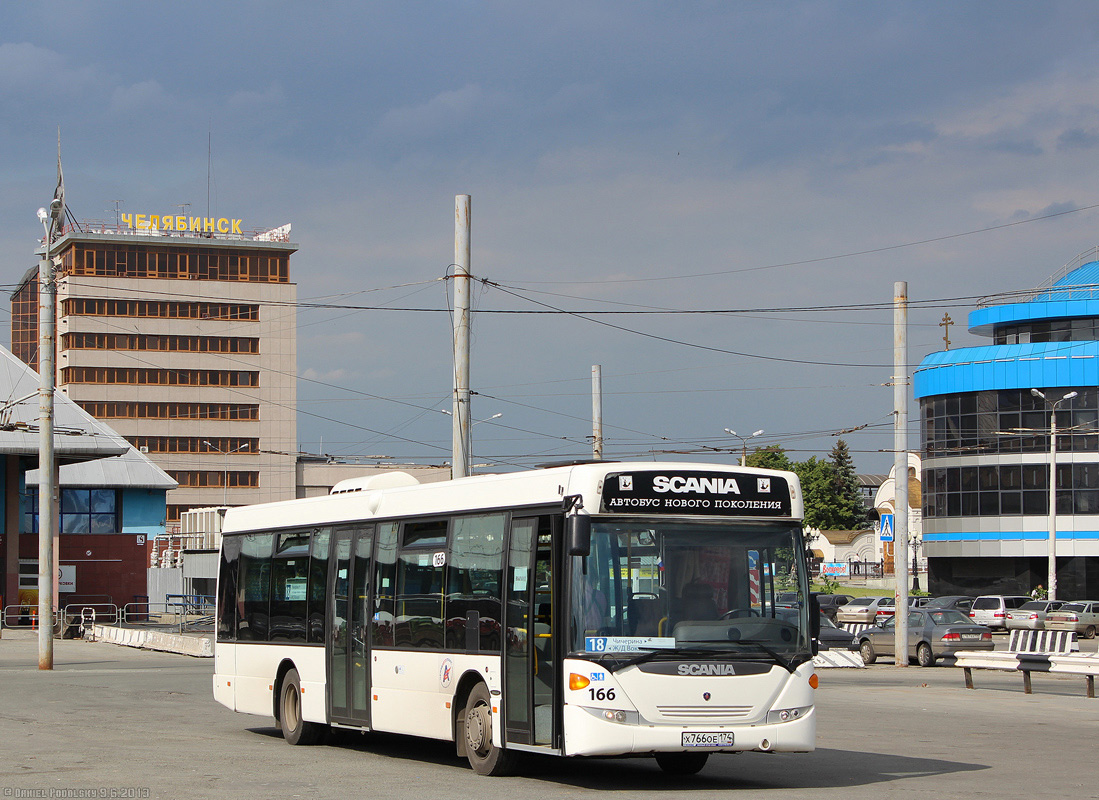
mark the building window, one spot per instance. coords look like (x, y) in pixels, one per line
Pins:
(1007, 421)
(1057, 330)
(82, 511)
(202, 411)
(233, 479)
(1009, 490)
(168, 344)
(158, 377)
(98, 307)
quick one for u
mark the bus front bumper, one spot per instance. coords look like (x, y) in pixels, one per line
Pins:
(589, 735)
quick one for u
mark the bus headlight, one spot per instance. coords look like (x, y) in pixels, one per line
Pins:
(615, 715)
(787, 714)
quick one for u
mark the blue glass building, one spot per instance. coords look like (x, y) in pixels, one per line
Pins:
(986, 444)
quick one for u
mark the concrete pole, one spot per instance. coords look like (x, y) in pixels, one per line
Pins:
(597, 412)
(461, 445)
(47, 487)
(1052, 576)
(900, 469)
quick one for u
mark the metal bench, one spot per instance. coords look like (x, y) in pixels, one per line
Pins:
(1034, 651)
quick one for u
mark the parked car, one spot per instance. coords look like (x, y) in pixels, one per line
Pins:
(830, 604)
(1081, 616)
(889, 608)
(991, 609)
(1031, 616)
(931, 635)
(833, 637)
(958, 602)
(861, 609)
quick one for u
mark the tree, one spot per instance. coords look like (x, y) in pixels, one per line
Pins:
(817, 491)
(831, 492)
(850, 509)
(772, 457)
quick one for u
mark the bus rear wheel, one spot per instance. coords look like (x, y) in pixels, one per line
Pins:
(483, 755)
(296, 730)
(682, 763)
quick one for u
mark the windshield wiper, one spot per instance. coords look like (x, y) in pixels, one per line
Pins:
(778, 659)
(651, 655)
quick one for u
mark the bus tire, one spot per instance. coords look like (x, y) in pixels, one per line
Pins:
(682, 763)
(296, 730)
(483, 755)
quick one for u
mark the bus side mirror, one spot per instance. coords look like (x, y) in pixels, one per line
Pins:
(814, 619)
(578, 527)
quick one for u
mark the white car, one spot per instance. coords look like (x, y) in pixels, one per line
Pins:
(991, 609)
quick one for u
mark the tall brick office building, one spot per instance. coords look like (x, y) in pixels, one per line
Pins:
(181, 336)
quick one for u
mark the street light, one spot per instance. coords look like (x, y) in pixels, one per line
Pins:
(744, 443)
(469, 466)
(914, 543)
(1051, 578)
(225, 477)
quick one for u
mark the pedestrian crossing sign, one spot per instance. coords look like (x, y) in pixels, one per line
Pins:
(885, 529)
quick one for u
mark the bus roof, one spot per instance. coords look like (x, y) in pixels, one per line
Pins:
(359, 499)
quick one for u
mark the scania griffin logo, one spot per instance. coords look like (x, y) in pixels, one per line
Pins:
(707, 669)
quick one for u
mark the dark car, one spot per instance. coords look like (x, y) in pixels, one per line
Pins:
(835, 638)
(830, 604)
(932, 634)
(959, 602)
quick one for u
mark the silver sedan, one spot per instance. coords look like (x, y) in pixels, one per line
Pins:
(931, 635)
(1031, 616)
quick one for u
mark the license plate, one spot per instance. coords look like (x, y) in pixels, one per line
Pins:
(708, 739)
(969, 637)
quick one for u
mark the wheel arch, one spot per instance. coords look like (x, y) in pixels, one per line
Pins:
(276, 687)
(469, 679)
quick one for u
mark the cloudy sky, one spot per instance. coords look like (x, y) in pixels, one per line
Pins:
(734, 157)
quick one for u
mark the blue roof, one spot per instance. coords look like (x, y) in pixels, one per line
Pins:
(1009, 366)
(1084, 274)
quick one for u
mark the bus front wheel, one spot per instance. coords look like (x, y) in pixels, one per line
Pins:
(483, 755)
(295, 730)
(682, 763)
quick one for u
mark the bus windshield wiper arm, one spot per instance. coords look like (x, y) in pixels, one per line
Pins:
(778, 659)
(671, 653)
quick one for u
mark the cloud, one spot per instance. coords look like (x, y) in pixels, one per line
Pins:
(25, 67)
(273, 95)
(1078, 139)
(145, 96)
(442, 112)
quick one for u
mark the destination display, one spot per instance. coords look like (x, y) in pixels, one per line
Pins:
(696, 493)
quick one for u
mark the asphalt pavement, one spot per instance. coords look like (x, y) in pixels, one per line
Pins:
(112, 721)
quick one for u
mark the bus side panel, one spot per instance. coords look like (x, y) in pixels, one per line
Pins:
(257, 667)
(225, 670)
(413, 692)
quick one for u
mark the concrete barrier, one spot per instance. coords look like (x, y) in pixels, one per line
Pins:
(198, 646)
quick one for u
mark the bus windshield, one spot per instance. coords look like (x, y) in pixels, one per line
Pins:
(661, 587)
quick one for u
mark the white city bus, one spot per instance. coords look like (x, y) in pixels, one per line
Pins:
(597, 609)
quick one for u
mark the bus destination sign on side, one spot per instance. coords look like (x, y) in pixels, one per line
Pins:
(696, 492)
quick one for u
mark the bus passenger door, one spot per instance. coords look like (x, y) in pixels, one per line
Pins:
(347, 654)
(530, 663)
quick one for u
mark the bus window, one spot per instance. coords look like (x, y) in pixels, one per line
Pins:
(227, 589)
(254, 587)
(318, 585)
(381, 621)
(289, 584)
(473, 583)
(418, 622)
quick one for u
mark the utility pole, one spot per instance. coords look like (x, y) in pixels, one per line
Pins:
(900, 470)
(47, 472)
(460, 442)
(597, 412)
